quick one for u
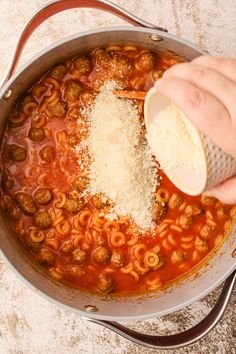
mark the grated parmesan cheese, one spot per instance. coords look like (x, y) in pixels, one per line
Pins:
(122, 167)
(185, 150)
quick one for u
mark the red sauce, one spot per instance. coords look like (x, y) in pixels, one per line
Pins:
(180, 249)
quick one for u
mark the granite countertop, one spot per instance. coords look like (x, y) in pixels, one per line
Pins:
(28, 323)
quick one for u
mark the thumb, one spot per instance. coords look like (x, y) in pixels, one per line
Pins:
(225, 192)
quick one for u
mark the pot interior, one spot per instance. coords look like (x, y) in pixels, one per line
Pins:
(139, 306)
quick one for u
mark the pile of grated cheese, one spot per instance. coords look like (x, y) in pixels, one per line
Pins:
(122, 166)
(185, 150)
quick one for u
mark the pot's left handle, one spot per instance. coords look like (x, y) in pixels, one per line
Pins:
(56, 6)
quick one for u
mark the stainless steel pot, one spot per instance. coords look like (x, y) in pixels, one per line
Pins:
(94, 308)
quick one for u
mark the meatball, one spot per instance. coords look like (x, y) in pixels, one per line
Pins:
(59, 109)
(146, 62)
(32, 245)
(72, 140)
(101, 255)
(73, 204)
(46, 258)
(26, 203)
(47, 153)
(36, 134)
(58, 72)
(105, 284)
(193, 210)
(74, 113)
(67, 247)
(14, 212)
(42, 219)
(72, 91)
(221, 213)
(7, 182)
(208, 201)
(137, 83)
(157, 74)
(177, 256)
(43, 196)
(76, 271)
(206, 230)
(185, 221)
(80, 256)
(99, 201)
(80, 183)
(159, 211)
(86, 97)
(16, 153)
(82, 64)
(117, 258)
(102, 58)
(175, 201)
(201, 245)
(120, 68)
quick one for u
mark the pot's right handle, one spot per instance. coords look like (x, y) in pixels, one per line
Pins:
(180, 339)
(57, 6)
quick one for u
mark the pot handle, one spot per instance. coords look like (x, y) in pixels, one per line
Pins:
(180, 339)
(57, 6)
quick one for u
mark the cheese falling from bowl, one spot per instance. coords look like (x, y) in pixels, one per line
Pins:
(122, 166)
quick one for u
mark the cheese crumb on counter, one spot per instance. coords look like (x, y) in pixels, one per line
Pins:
(122, 166)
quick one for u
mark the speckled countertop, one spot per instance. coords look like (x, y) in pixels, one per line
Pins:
(28, 323)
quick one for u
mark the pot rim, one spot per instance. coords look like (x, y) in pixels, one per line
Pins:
(66, 39)
(44, 295)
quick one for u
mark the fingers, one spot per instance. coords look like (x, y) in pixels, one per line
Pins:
(225, 192)
(203, 109)
(225, 66)
(218, 85)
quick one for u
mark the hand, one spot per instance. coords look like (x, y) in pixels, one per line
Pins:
(205, 90)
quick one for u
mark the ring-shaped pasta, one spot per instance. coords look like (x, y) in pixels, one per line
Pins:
(127, 269)
(61, 200)
(61, 137)
(39, 90)
(113, 48)
(132, 240)
(77, 239)
(44, 109)
(29, 108)
(117, 239)
(52, 81)
(53, 243)
(162, 227)
(21, 118)
(151, 259)
(40, 122)
(54, 274)
(76, 224)
(36, 235)
(156, 249)
(111, 226)
(139, 251)
(84, 217)
(130, 48)
(140, 268)
(57, 220)
(63, 228)
(134, 275)
(176, 228)
(98, 219)
(162, 195)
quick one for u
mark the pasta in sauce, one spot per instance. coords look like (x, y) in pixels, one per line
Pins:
(42, 184)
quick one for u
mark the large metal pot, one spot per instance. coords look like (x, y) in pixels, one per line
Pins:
(94, 308)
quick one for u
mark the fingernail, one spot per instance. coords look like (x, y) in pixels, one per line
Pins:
(158, 83)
